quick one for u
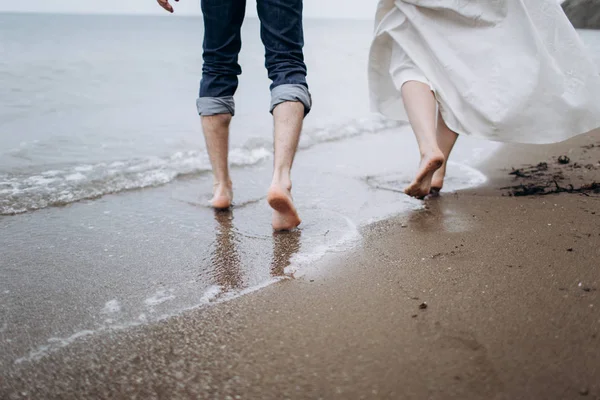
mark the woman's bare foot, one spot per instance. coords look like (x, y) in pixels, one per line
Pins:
(437, 182)
(222, 196)
(446, 138)
(285, 216)
(421, 186)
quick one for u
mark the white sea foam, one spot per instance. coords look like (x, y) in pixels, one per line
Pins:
(27, 192)
(161, 296)
(302, 260)
(111, 307)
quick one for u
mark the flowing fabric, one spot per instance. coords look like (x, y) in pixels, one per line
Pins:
(504, 70)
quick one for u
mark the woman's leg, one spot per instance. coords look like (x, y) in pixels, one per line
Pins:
(421, 107)
(446, 138)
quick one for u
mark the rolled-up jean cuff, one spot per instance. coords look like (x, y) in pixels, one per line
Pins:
(291, 92)
(215, 105)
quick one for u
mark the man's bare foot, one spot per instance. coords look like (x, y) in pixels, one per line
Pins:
(437, 182)
(421, 186)
(285, 216)
(222, 196)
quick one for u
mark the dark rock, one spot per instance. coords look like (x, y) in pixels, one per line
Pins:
(564, 160)
(584, 14)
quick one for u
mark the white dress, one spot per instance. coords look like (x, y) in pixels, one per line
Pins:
(504, 70)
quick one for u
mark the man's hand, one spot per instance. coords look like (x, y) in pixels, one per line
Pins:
(165, 4)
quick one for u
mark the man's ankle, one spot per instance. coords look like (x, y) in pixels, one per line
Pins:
(223, 182)
(283, 182)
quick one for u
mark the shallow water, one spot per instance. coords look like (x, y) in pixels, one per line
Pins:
(92, 105)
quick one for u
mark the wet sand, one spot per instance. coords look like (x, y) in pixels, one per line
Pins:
(475, 294)
(137, 257)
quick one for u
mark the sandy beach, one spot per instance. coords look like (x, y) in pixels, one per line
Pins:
(487, 292)
(119, 281)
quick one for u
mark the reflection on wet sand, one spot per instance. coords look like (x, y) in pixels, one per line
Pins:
(226, 260)
(440, 215)
(285, 245)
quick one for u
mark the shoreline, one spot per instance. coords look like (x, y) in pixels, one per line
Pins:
(400, 315)
(136, 257)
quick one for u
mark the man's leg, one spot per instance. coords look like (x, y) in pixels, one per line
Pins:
(288, 118)
(283, 38)
(222, 43)
(216, 136)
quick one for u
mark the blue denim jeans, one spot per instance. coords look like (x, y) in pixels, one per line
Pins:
(283, 37)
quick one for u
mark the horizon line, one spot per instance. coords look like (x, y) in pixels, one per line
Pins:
(152, 14)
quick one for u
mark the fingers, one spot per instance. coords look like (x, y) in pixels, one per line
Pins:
(165, 4)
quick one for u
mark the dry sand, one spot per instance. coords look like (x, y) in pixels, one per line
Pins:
(480, 295)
